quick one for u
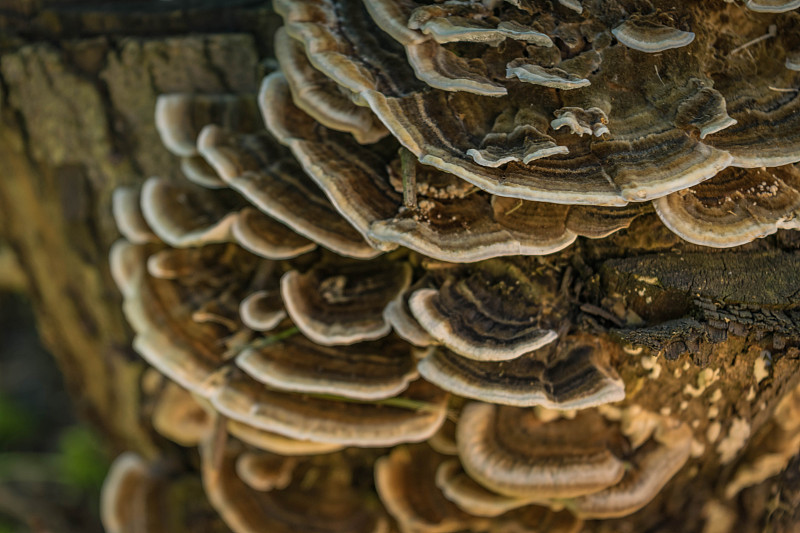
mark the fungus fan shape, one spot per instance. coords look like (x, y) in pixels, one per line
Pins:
(348, 261)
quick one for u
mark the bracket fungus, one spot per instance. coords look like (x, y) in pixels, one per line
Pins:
(511, 452)
(180, 117)
(352, 262)
(344, 304)
(168, 316)
(514, 453)
(283, 509)
(135, 493)
(278, 444)
(366, 188)
(180, 417)
(335, 420)
(405, 481)
(470, 495)
(413, 485)
(674, 161)
(367, 370)
(575, 374)
(265, 471)
(128, 216)
(319, 96)
(265, 175)
(772, 6)
(184, 216)
(122, 485)
(398, 314)
(493, 312)
(650, 37)
(735, 207)
(262, 310)
(545, 76)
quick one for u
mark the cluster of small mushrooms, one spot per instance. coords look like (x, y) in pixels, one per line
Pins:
(351, 263)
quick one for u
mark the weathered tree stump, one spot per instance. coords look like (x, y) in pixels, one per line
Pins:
(78, 87)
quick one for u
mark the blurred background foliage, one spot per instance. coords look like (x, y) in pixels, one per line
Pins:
(51, 466)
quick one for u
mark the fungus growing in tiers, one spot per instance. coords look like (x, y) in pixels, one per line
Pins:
(337, 507)
(493, 312)
(344, 303)
(367, 370)
(334, 420)
(349, 284)
(405, 481)
(575, 374)
(517, 455)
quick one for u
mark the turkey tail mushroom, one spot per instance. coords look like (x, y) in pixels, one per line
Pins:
(577, 376)
(347, 282)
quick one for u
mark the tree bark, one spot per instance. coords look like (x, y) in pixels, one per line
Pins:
(78, 85)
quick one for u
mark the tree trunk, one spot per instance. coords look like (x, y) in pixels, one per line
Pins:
(78, 85)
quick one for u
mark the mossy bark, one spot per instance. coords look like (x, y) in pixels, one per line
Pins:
(78, 83)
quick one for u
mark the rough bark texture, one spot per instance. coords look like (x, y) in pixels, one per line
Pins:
(78, 84)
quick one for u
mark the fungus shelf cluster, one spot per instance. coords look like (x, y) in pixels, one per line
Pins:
(347, 264)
